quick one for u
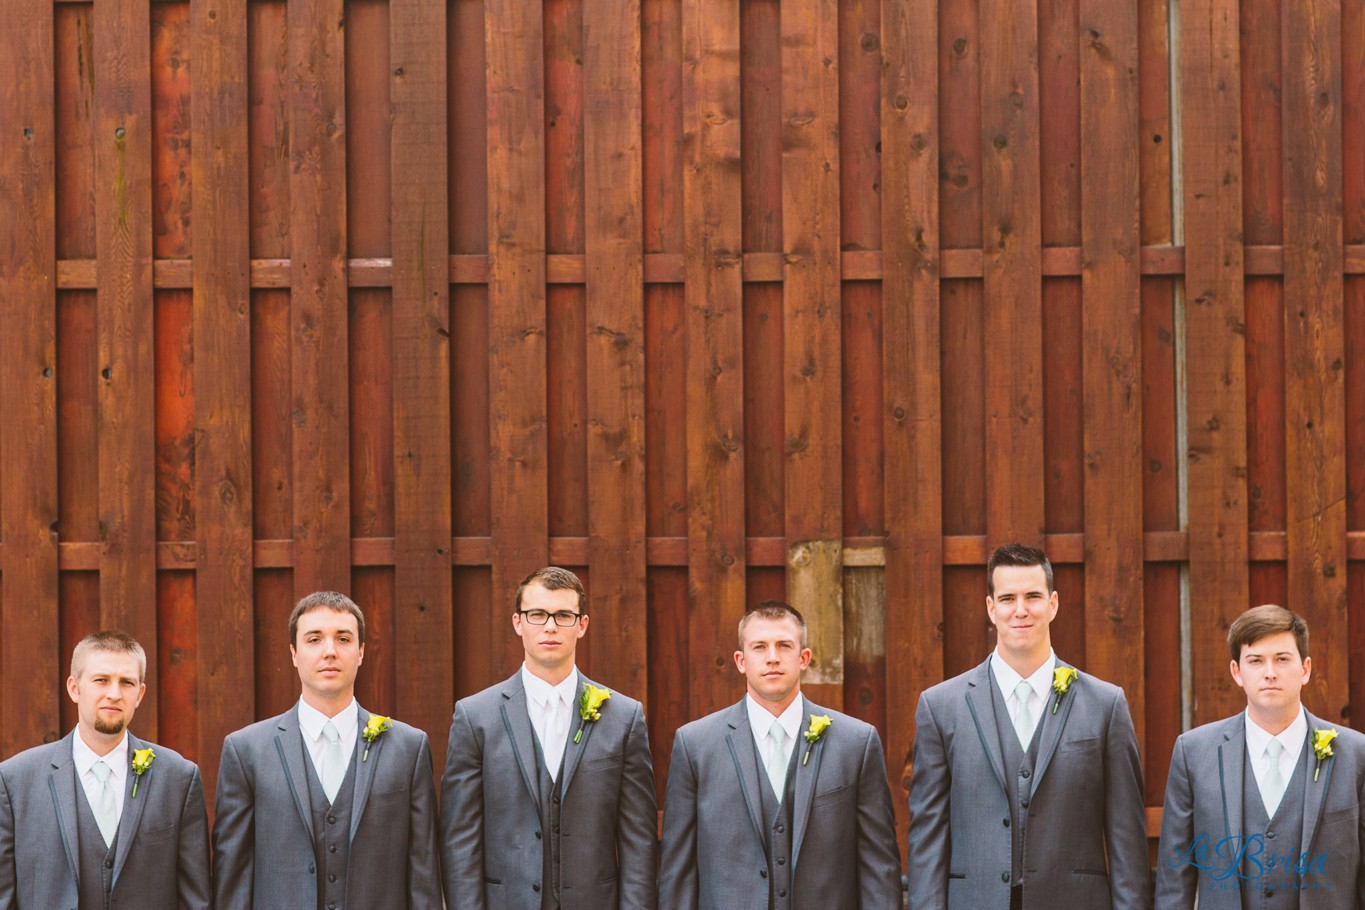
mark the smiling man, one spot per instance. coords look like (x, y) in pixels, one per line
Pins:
(1263, 808)
(1027, 789)
(326, 806)
(776, 802)
(101, 818)
(548, 794)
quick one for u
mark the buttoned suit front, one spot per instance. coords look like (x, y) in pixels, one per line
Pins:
(715, 840)
(1085, 842)
(492, 800)
(161, 851)
(264, 847)
(1204, 802)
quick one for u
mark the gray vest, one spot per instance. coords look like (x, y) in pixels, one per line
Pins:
(550, 794)
(332, 832)
(1018, 770)
(1273, 887)
(97, 860)
(777, 822)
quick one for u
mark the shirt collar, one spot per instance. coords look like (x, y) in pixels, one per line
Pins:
(311, 720)
(1291, 737)
(539, 691)
(761, 719)
(1008, 680)
(85, 757)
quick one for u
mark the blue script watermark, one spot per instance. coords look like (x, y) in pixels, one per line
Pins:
(1246, 857)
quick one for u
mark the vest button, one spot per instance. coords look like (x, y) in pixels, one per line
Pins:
(780, 829)
(782, 892)
(536, 888)
(331, 878)
(1006, 821)
(1024, 774)
(108, 864)
(1005, 877)
(1269, 892)
(332, 848)
(331, 819)
(1270, 835)
(782, 861)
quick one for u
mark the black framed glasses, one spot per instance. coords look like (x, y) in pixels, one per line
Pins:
(540, 617)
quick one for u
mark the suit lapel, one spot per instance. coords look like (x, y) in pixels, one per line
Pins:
(573, 752)
(740, 741)
(806, 775)
(132, 807)
(62, 783)
(518, 725)
(289, 744)
(979, 704)
(1052, 732)
(1231, 764)
(364, 770)
(1315, 791)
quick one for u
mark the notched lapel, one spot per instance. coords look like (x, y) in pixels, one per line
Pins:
(289, 744)
(62, 783)
(364, 770)
(806, 777)
(1052, 732)
(518, 725)
(984, 718)
(573, 752)
(132, 808)
(740, 742)
(1231, 763)
(1315, 792)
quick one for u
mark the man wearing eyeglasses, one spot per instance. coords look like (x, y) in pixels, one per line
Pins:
(548, 794)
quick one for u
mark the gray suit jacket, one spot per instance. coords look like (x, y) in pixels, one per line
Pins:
(263, 827)
(492, 849)
(1204, 806)
(162, 855)
(844, 852)
(1086, 802)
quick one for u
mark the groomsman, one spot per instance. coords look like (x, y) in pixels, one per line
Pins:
(101, 818)
(1263, 809)
(1027, 790)
(777, 803)
(548, 794)
(326, 806)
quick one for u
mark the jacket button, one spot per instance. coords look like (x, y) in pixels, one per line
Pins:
(1006, 821)
(1005, 877)
(782, 892)
(1025, 804)
(762, 873)
(537, 835)
(310, 867)
(535, 888)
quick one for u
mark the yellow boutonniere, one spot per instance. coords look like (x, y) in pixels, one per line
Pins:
(1322, 747)
(378, 724)
(142, 760)
(1062, 678)
(590, 707)
(818, 724)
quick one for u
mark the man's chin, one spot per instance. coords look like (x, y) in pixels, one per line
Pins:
(109, 728)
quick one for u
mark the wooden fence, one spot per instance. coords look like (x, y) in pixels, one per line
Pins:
(712, 301)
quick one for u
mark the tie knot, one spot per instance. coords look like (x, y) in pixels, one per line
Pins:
(101, 771)
(1274, 748)
(329, 733)
(1023, 691)
(777, 733)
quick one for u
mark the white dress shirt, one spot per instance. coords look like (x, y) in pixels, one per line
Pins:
(311, 722)
(551, 712)
(118, 762)
(1040, 681)
(761, 721)
(1291, 737)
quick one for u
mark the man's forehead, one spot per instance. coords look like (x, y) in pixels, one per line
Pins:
(761, 628)
(325, 619)
(1272, 645)
(1016, 578)
(110, 663)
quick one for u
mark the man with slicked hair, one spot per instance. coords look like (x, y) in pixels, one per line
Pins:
(326, 806)
(101, 818)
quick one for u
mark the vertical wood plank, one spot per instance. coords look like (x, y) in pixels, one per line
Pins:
(613, 179)
(1214, 316)
(125, 329)
(813, 330)
(423, 620)
(1315, 428)
(224, 587)
(1012, 269)
(1112, 350)
(29, 645)
(714, 326)
(911, 362)
(319, 302)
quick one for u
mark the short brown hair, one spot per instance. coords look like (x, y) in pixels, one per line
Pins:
(775, 610)
(553, 578)
(1267, 619)
(332, 601)
(1021, 555)
(113, 641)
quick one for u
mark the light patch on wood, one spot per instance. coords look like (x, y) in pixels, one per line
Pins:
(815, 586)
